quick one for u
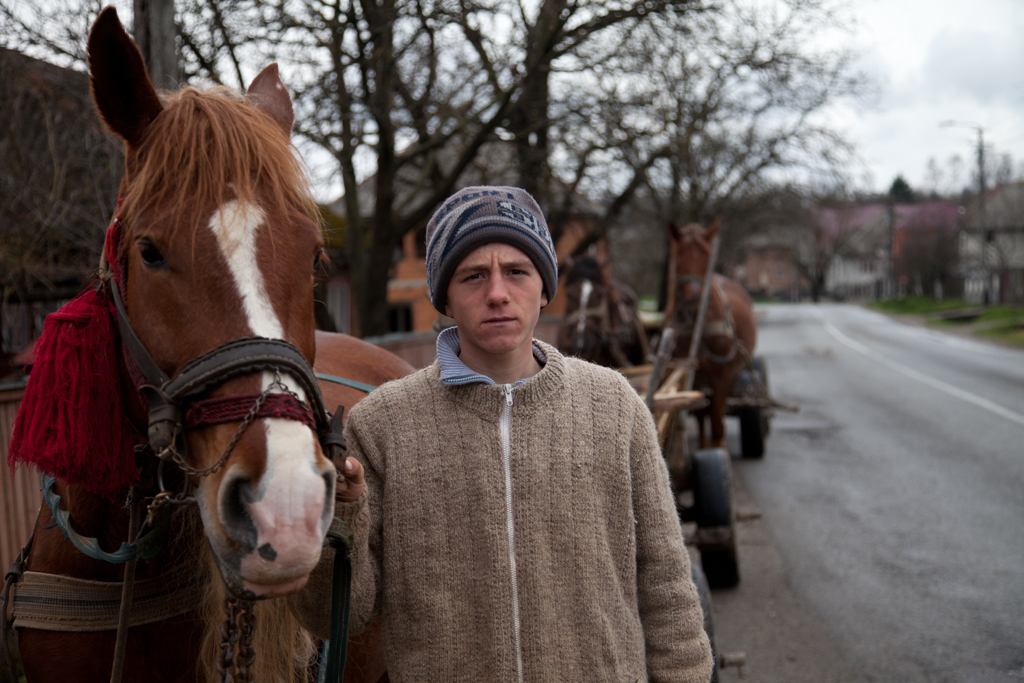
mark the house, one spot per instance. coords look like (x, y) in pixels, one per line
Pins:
(409, 307)
(855, 243)
(855, 251)
(60, 171)
(991, 246)
(771, 270)
(892, 250)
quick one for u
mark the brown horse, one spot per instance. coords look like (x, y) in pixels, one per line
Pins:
(601, 323)
(730, 332)
(217, 244)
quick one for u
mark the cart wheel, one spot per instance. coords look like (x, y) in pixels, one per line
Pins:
(753, 428)
(704, 593)
(712, 510)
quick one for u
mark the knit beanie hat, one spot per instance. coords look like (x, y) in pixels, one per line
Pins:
(475, 216)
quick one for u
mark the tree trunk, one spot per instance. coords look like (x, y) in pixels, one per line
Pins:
(529, 122)
(156, 34)
(373, 309)
(530, 126)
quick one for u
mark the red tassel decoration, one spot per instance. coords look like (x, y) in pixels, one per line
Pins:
(71, 422)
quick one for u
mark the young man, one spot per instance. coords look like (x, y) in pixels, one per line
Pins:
(511, 509)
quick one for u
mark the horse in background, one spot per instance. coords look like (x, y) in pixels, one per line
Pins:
(215, 242)
(601, 323)
(730, 331)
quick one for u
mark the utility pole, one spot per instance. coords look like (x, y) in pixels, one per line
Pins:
(982, 223)
(156, 34)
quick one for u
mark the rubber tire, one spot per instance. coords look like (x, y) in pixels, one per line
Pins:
(704, 594)
(712, 507)
(752, 431)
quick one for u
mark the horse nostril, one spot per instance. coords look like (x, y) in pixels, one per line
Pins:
(235, 498)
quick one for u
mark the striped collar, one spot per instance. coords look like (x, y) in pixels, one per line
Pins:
(455, 372)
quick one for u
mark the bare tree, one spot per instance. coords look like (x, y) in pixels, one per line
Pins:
(406, 95)
(58, 180)
(712, 110)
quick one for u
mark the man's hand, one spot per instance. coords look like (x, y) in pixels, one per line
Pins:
(350, 486)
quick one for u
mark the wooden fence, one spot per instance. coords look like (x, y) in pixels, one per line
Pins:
(20, 493)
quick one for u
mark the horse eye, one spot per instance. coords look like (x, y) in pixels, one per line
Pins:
(320, 262)
(151, 256)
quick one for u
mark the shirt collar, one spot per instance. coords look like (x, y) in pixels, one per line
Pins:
(454, 371)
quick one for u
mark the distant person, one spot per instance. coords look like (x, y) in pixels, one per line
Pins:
(511, 508)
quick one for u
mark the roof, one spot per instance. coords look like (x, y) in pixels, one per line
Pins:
(59, 174)
(1004, 209)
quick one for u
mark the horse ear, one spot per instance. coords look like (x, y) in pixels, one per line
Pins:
(712, 230)
(674, 230)
(121, 88)
(271, 97)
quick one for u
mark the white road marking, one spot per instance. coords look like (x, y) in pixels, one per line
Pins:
(956, 392)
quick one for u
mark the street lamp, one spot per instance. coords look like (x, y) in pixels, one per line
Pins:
(981, 195)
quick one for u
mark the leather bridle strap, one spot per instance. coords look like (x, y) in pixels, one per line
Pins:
(212, 411)
(167, 396)
(137, 351)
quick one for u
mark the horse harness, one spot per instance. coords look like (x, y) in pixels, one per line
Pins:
(180, 403)
(685, 314)
(602, 313)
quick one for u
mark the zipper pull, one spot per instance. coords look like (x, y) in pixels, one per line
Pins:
(507, 389)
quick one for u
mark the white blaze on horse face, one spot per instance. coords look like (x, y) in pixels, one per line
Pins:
(288, 503)
(581, 323)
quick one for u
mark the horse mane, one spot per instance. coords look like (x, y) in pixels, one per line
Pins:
(207, 147)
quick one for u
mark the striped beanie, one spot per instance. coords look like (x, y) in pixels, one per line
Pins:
(475, 216)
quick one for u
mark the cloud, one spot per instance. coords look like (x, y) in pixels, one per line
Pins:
(983, 66)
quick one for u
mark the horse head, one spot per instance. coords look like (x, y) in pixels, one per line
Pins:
(691, 251)
(586, 312)
(217, 243)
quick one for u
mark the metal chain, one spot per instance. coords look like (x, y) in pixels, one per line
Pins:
(246, 652)
(237, 632)
(228, 641)
(179, 459)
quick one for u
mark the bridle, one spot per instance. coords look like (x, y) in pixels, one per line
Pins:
(179, 403)
(687, 309)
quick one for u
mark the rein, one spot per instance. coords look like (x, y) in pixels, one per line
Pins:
(145, 546)
(685, 314)
(181, 403)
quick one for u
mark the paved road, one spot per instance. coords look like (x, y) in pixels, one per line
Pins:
(893, 506)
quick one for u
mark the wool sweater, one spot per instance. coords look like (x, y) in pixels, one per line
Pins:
(577, 571)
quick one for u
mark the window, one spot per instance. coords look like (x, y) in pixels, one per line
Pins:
(400, 318)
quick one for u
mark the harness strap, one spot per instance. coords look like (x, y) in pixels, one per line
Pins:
(134, 514)
(211, 411)
(145, 546)
(52, 602)
(339, 538)
(137, 351)
(14, 575)
(346, 382)
(597, 312)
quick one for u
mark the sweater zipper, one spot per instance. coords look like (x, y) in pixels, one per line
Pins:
(506, 459)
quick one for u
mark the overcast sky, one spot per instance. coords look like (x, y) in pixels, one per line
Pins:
(938, 60)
